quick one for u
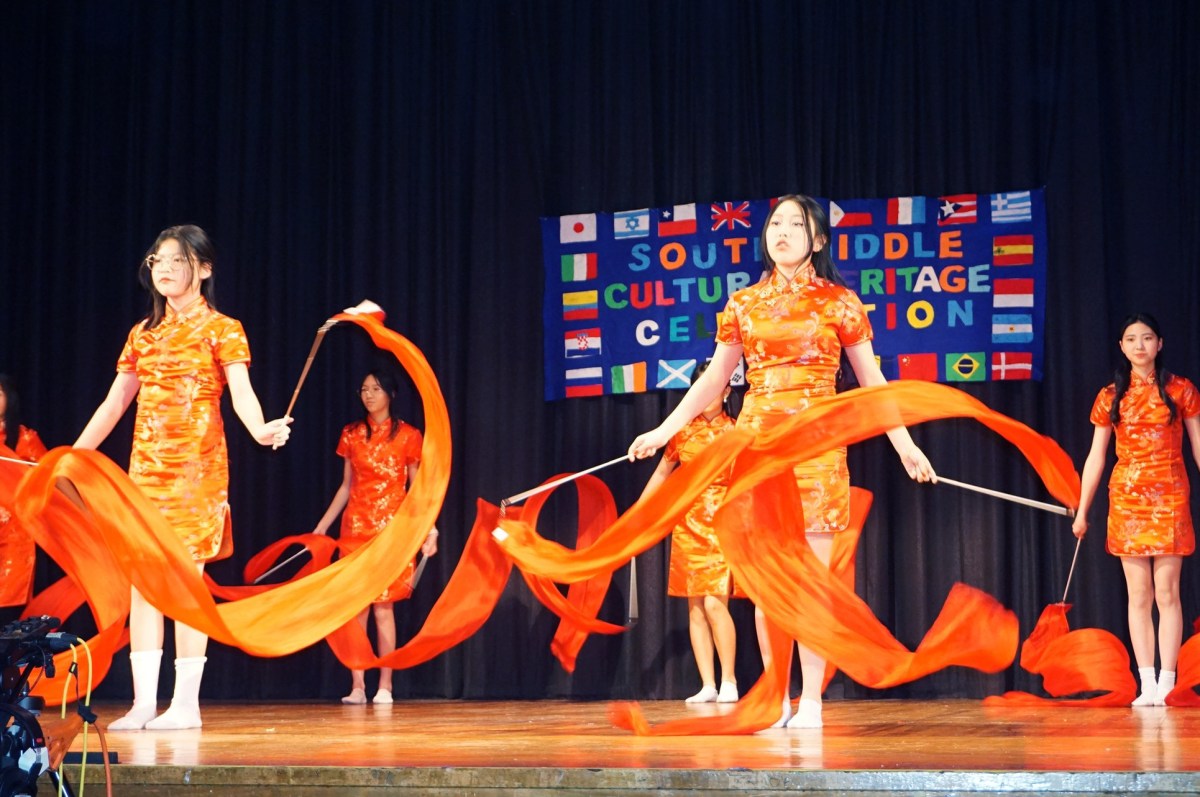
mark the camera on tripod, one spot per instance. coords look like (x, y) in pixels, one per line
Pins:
(25, 647)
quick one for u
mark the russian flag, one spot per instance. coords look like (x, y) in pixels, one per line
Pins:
(584, 382)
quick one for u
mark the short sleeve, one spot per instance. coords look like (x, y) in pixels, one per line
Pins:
(127, 362)
(729, 330)
(232, 346)
(346, 441)
(671, 452)
(1189, 399)
(412, 447)
(855, 327)
(1102, 406)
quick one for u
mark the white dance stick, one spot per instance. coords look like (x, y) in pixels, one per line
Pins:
(17, 461)
(1016, 499)
(279, 566)
(1071, 572)
(512, 499)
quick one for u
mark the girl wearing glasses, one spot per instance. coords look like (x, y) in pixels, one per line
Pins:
(177, 362)
(382, 454)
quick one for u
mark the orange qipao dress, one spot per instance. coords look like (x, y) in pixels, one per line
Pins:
(17, 549)
(698, 566)
(379, 466)
(179, 458)
(1149, 512)
(792, 333)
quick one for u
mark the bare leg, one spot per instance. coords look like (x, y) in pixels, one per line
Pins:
(1140, 585)
(702, 649)
(812, 665)
(358, 684)
(385, 630)
(761, 624)
(724, 636)
(1170, 622)
(190, 646)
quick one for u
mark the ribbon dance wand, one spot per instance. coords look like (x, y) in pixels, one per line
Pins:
(1016, 499)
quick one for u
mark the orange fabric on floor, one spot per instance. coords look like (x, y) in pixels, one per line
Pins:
(1072, 662)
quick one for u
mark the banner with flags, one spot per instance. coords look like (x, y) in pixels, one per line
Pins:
(954, 286)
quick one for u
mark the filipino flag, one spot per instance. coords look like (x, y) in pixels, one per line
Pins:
(1012, 250)
(579, 228)
(1012, 293)
(629, 378)
(906, 210)
(1012, 328)
(579, 267)
(839, 217)
(582, 342)
(580, 305)
(1012, 365)
(677, 220)
(584, 382)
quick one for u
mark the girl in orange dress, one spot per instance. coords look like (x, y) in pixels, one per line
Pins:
(382, 454)
(177, 362)
(698, 570)
(793, 328)
(17, 550)
(1149, 513)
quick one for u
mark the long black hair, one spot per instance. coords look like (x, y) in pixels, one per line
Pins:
(817, 225)
(12, 412)
(199, 251)
(731, 403)
(1121, 375)
(391, 385)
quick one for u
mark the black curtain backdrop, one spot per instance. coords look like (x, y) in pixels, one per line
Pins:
(404, 151)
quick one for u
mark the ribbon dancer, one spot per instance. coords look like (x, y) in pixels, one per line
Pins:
(793, 327)
(176, 362)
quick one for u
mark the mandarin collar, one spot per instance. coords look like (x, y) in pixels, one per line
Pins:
(194, 309)
(805, 275)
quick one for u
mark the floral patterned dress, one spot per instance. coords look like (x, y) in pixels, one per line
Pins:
(698, 566)
(1149, 512)
(17, 549)
(792, 333)
(179, 458)
(379, 465)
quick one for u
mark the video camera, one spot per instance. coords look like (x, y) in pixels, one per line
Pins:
(25, 646)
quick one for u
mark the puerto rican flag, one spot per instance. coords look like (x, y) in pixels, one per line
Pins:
(958, 209)
(1012, 365)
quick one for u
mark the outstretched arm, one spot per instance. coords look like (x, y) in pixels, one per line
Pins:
(700, 395)
(862, 360)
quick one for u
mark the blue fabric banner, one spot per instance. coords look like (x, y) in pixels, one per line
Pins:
(954, 285)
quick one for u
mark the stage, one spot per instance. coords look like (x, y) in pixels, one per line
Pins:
(474, 748)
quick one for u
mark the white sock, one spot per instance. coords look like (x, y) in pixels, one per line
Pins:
(1149, 687)
(728, 692)
(808, 714)
(184, 711)
(144, 664)
(785, 714)
(707, 694)
(1166, 682)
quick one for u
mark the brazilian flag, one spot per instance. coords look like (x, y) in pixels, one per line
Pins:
(967, 366)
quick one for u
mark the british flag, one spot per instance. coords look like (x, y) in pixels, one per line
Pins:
(727, 215)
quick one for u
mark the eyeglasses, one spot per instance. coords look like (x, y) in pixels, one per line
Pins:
(174, 264)
(372, 390)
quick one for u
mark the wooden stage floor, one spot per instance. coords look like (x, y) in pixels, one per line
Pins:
(464, 748)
